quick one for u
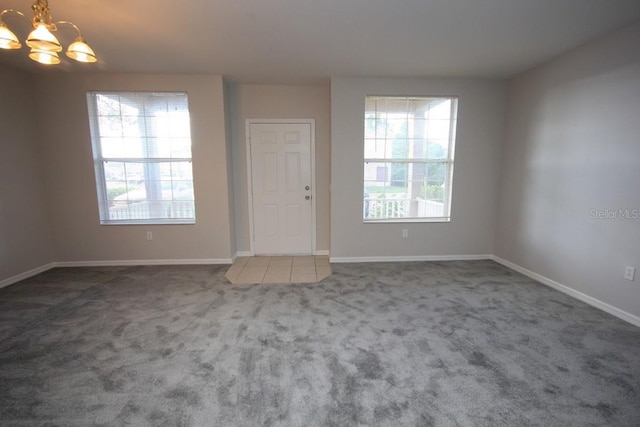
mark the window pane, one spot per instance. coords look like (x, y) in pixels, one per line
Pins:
(110, 126)
(397, 127)
(143, 131)
(179, 126)
(419, 106)
(439, 129)
(440, 109)
(157, 147)
(405, 190)
(374, 148)
(417, 128)
(108, 105)
(177, 103)
(414, 129)
(115, 179)
(133, 147)
(181, 171)
(396, 106)
(380, 107)
(399, 149)
(370, 127)
(146, 189)
(112, 147)
(376, 172)
(381, 128)
(158, 128)
(429, 149)
(438, 149)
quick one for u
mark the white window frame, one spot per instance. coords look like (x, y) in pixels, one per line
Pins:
(448, 161)
(100, 160)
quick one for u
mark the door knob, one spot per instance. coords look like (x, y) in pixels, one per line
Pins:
(307, 197)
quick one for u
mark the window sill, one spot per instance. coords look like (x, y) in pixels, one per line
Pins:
(404, 220)
(148, 222)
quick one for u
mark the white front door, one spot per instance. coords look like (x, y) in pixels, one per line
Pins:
(281, 187)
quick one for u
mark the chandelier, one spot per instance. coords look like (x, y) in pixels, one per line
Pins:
(44, 45)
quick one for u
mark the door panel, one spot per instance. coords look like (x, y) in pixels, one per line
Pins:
(281, 188)
(292, 172)
(269, 172)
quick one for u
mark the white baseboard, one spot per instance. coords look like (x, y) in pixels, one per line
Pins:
(26, 274)
(248, 253)
(621, 314)
(119, 263)
(411, 258)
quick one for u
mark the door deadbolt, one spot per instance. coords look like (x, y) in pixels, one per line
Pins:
(307, 188)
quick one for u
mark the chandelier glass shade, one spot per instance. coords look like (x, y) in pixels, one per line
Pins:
(42, 41)
(44, 56)
(8, 40)
(41, 38)
(80, 51)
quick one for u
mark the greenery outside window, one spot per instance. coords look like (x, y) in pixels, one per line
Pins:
(142, 157)
(409, 147)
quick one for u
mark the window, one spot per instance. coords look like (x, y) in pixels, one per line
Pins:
(142, 157)
(408, 158)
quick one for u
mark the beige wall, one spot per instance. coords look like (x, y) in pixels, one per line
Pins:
(70, 182)
(281, 102)
(572, 150)
(229, 150)
(475, 182)
(24, 229)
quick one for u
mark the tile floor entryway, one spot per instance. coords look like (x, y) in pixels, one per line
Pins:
(279, 269)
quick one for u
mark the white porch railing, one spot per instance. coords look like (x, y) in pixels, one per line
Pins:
(142, 210)
(375, 208)
(430, 208)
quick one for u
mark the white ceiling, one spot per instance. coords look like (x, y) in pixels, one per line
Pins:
(305, 41)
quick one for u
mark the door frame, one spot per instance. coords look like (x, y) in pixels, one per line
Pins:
(249, 168)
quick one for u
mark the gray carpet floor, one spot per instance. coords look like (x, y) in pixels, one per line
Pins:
(386, 344)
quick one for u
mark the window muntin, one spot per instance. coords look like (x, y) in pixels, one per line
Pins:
(142, 157)
(409, 149)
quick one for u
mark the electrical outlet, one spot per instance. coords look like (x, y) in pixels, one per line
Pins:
(629, 273)
(405, 232)
(149, 235)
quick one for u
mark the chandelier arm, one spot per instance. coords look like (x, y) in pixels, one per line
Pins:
(13, 11)
(71, 24)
